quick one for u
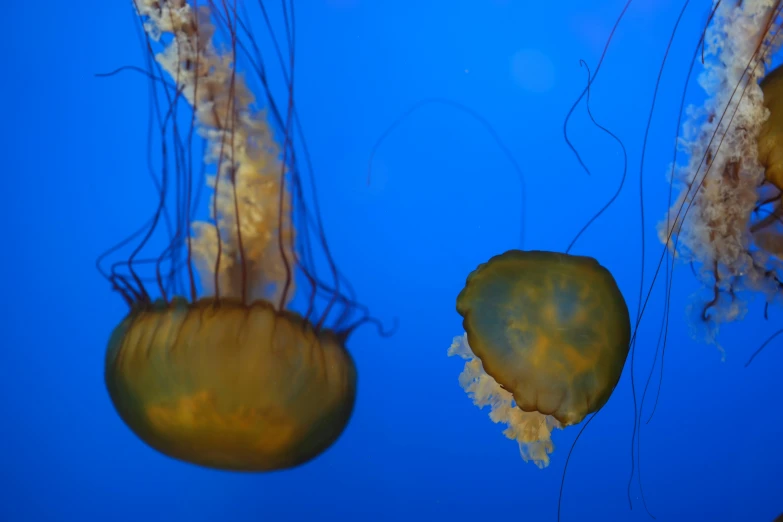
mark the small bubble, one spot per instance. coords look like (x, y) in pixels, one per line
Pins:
(533, 70)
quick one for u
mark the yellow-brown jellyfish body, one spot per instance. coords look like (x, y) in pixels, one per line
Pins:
(770, 140)
(767, 231)
(219, 371)
(547, 335)
(230, 386)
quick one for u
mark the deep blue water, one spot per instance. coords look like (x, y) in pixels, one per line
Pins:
(443, 199)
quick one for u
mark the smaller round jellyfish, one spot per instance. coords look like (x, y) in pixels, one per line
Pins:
(547, 336)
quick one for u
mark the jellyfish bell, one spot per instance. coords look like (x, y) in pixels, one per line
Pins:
(228, 385)
(551, 328)
(770, 140)
(767, 232)
(219, 370)
(547, 336)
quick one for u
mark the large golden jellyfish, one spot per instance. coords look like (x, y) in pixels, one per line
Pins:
(728, 217)
(218, 371)
(547, 336)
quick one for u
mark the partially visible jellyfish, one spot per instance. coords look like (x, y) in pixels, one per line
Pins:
(221, 371)
(728, 217)
(546, 338)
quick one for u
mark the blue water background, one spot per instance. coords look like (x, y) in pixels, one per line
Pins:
(443, 198)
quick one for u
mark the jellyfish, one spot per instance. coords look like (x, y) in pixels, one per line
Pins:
(546, 338)
(222, 370)
(727, 219)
